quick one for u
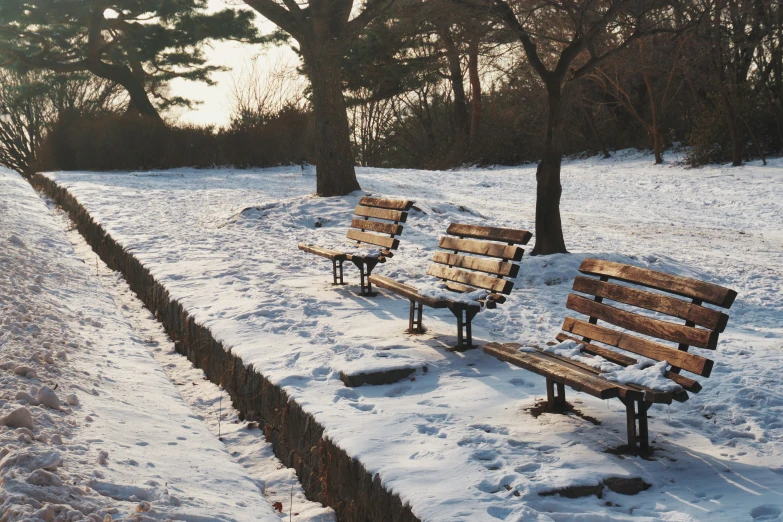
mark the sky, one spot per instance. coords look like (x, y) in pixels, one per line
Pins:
(216, 100)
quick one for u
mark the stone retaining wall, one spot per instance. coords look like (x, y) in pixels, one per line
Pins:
(326, 472)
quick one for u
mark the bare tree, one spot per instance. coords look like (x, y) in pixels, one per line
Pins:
(564, 40)
(654, 63)
(36, 100)
(256, 94)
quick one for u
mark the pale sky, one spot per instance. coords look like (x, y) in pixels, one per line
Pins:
(216, 100)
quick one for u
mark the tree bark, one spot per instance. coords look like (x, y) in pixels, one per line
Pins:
(588, 117)
(335, 173)
(655, 135)
(461, 121)
(549, 227)
(731, 123)
(475, 90)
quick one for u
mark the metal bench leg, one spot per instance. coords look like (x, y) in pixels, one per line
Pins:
(638, 439)
(644, 435)
(557, 401)
(464, 321)
(337, 271)
(630, 420)
(414, 320)
(365, 269)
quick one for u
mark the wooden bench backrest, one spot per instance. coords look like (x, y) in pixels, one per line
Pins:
(700, 329)
(466, 273)
(382, 216)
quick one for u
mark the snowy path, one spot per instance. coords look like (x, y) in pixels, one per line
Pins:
(122, 442)
(456, 442)
(244, 441)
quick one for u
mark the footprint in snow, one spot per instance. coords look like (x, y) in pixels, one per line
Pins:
(398, 391)
(766, 512)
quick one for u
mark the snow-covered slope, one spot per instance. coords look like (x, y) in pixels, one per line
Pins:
(457, 442)
(99, 430)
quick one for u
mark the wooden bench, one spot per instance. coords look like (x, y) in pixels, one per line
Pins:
(375, 223)
(701, 328)
(495, 252)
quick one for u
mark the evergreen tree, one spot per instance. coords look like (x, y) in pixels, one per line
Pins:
(138, 44)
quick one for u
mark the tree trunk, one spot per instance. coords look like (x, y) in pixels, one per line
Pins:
(549, 228)
(588, 117)
(335, 173)
(461, 121)
(731, 122)
(475, 90)
(655, 135)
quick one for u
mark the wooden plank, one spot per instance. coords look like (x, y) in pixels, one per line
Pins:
(606, 353)
(391, 204)
(506, 235)
(373, 239)
(700, 315)
(406, 291)
(493, 284)
(381, 213)
(650, 395)
(377, 226)
(687, 361)
(485, 248)
(489, 266)
(665, 330)
(610, 355)
(684, 286)
(459, 287)
(536, 363)
(320, 251)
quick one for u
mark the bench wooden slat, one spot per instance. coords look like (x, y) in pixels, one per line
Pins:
(536, 363)
(665, 330)
(610, 355)
(700, 315)
(489, 266)
(391, 204)
(381, 213)
(506, 235)
(493, 284)
(320, 251)
(650, 394)
(485, 248)
(377, 226)
(594, 349)
(373, 239)
(684, 286)
(406, 291)
(659, 352)
(459, 287)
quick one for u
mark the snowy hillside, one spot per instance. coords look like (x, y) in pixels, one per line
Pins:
(456, 442)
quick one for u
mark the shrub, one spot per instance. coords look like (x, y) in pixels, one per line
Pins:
(133, 142)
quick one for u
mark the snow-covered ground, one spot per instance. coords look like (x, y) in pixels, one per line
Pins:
(92, 428)
(457, 442)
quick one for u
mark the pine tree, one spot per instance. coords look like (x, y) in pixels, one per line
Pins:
(138, 44)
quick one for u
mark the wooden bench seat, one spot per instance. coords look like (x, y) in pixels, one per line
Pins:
(624, 333)
(459, 266)
(367, 232)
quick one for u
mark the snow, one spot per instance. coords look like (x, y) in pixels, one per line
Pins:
(92, 428)
(457, 442)
(429, 286)
(646, 372)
